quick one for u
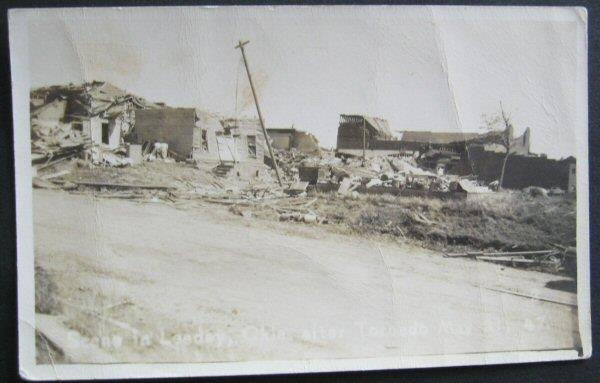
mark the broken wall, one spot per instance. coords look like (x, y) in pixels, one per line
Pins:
(93, 127)
(281, 140)
(242, 131)
(350, 136)
(521, 171)
(51, 114)
(519, 145)
(205, 136)
(175, 126)
(305, 142)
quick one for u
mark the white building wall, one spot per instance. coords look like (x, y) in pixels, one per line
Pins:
(114, 135)
(95, 129)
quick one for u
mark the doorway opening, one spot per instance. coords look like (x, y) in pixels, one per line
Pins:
(105, 133)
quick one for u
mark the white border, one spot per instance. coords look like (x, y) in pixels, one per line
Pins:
(18, 37)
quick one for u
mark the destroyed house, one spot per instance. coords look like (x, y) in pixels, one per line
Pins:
(449, 151)
(456, 142)
(482, 155)
(195, 134)
(357, 132)
(97, 111)
(443, 152)
(373, 135)
(291, 138)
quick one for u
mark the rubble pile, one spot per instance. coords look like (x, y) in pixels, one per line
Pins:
(55, 142)
(384, 174)
(104, 157)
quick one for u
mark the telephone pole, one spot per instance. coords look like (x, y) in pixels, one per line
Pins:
(262, 123)
(364, 139)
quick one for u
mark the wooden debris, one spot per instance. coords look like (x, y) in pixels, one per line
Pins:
(56, 175)
(41, 183)
(512, 260)
(122, 186)
(552, 259)
(347, 185)
(473, 254)
(50, 163)
(297, 188)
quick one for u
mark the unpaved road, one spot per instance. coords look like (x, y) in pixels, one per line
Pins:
(196, 283)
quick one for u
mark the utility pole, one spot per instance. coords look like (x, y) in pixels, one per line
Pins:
(262, 123)
(364, 140)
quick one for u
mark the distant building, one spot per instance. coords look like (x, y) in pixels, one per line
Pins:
(443, 151)
(460, 153)
(291, 138)
(356, 132)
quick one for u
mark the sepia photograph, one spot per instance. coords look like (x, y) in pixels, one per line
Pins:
(250, 190)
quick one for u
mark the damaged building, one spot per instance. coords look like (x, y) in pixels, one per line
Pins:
(357, 133)
(449, 152)
(458, 153)
(96, 112)
(291, 138)
(199, 135)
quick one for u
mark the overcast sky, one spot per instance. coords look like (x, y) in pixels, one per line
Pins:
(421, 68)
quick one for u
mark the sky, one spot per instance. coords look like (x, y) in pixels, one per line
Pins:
(421, 68)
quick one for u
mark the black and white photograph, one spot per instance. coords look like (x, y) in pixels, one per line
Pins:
(286, 189)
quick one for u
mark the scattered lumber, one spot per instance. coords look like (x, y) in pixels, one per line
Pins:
(41, 183)
(567, 299)
(121, 195)
(474, 254)
(296, 188)
(228, 201)
(109, 185)
(514, 260)
(553, 258)
(56, 175)
(51, 163)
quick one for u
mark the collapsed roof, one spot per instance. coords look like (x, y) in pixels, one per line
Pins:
(436, 137)
(378, 126)
(87, 99)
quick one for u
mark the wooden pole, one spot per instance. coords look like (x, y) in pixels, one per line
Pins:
(364, 140)
(262, 123)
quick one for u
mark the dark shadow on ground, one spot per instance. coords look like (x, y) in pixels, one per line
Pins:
(563, 285)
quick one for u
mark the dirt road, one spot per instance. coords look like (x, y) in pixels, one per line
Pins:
(196, 283)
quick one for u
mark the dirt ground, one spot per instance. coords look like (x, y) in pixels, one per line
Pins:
(506, 221)
(162, 282)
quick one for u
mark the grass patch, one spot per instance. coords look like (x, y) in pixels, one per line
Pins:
(500, 221)
(46, 293)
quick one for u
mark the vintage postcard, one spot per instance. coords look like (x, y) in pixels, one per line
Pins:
(251, 190)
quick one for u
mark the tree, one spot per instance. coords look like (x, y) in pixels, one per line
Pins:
(501, 128)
